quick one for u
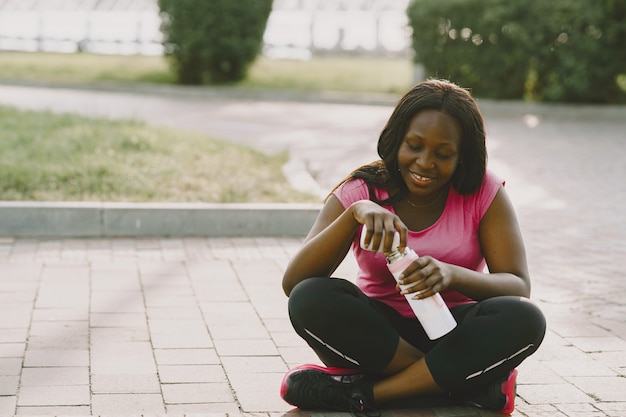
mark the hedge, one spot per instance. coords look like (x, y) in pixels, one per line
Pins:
(557, 50)
(213, 41)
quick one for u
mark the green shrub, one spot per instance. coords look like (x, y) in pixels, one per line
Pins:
(557, 50)
(213, 41)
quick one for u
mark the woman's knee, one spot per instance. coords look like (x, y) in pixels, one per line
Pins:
(529, 316)
(527, 321)
(309, 291)
(519, 318)
(315, 296)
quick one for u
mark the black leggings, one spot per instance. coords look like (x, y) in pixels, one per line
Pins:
(350, 330)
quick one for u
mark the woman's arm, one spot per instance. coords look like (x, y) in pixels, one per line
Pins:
(502, 245)
(325, 246)
(331, 236)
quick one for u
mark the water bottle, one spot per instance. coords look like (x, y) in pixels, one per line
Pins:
(432, 312)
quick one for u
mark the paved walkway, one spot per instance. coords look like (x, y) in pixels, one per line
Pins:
(198, 325)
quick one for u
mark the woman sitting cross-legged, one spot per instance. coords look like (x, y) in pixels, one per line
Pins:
(432, 187)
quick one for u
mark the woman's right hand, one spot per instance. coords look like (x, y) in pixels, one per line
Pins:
(332, 234)
(378, 220)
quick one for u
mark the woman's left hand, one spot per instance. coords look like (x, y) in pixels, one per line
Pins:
(426, 277)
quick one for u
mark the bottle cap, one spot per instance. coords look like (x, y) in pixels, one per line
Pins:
(394, 245)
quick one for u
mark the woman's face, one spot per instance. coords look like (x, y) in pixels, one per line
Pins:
(429, 153)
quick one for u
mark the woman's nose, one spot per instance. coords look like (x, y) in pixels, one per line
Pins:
(425, 160)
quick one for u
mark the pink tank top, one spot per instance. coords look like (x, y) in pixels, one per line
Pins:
(453, 239)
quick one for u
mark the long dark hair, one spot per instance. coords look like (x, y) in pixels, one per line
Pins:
(432, 94)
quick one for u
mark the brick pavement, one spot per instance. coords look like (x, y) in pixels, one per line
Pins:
(198, 325)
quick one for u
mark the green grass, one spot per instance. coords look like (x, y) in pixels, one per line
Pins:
(82, 68)
(69, 158)
(332, 73)
(49, 157)
(339, 74)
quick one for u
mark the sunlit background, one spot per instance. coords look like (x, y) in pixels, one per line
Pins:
(296, 29)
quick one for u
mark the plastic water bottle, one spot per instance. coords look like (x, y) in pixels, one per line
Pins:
(432, 312)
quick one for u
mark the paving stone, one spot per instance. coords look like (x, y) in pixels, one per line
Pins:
(52, 357)
(195, 393)
(154, 269)
(172, 374)
(599, 344)
(534, 372)
(181, 340)
(282, 325)
(106, 335)
(122, 358)
(12, 350)
(15, 315)
(566, 328)
(51, 376)
(8, 385)
(612, 409)
(61, 314)
(137, 320)
(263, 382)
(127, 404)
(7, 405)
(156, 301)
(553, 394)
(125, 384)
(52, 329)
(615, 360)
(54, 395)
(580, 368)
(294, 356)
(167, 313)
(236, 331)
(81, 410)
(214, 409)
(262, 401)
(10, 366)
(589, 410)
(117, 302)
(259, 391)
(245, 347)
(245, 364)
(177, 326)
(112, 280)
(13, 335)
(186, 356)
(534, 410)
(609, 388)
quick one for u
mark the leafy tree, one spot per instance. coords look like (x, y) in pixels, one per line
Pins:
(557, 50)
(213, 41)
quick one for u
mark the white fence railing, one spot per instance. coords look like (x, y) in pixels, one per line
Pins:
(291, 32)
(108, 32)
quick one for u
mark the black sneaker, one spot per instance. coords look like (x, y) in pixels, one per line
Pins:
(311, 387)
(498, 396)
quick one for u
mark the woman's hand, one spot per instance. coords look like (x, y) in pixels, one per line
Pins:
(378, 221)
(331, 237)
(426, 276)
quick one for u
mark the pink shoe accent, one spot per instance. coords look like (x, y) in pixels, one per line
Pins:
(309, 366)
(508, 389)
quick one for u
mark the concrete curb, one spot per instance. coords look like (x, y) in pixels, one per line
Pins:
(78, 219)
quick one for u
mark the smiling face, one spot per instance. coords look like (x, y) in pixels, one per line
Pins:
(429, 153)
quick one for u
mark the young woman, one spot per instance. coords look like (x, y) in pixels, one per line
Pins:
(432, 186)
